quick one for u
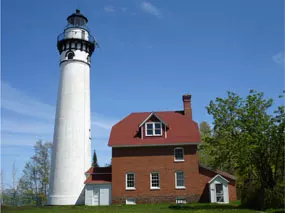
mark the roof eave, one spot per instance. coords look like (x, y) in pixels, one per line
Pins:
(149, 116)
(164, 144)
(218, 175)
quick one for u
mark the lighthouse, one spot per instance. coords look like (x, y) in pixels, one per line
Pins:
(71, 152)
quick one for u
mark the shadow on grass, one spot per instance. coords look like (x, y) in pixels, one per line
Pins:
(203, 207)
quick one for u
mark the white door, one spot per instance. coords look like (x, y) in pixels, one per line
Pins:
(95, 197)
(104, 195)
(219, 193)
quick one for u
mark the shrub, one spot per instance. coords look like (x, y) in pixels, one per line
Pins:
(255, 197)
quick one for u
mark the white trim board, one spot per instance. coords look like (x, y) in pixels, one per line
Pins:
(218, 175)
(144, 145)
(149, 116)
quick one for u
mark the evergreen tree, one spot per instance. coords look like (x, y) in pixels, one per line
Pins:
(94, 160)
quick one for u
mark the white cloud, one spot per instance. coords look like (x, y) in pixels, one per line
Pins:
(37, 118)
(26, 120)
(151, 9)
(279, 58)
(109, 9)
(27, 127)
(18, 102)
(14, 140)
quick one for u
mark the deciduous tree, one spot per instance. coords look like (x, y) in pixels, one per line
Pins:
(204, 149)
(33, 185)
(249, 141)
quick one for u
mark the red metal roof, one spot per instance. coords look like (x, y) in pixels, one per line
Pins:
(224, 174)
(181, 129)
(99, 175)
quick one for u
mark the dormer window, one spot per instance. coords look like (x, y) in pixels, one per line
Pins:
(153, 129)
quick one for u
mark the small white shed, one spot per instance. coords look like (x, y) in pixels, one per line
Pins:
(98, 194)
(98, 186)
(219, 191)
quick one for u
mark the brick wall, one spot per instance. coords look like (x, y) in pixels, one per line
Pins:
(144, 160)
(206, 176)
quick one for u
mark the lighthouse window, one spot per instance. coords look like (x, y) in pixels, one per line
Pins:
(88, 59)
(70, 55)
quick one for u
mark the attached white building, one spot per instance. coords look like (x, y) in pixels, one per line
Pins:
(98, 186)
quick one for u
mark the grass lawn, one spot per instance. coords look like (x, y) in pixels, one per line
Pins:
(150, 208)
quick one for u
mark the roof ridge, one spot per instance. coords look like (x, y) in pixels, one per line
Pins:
(157, 111)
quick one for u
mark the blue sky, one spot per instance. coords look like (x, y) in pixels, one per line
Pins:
(151, 52)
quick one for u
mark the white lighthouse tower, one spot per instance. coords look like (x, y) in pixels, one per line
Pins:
(71, 154)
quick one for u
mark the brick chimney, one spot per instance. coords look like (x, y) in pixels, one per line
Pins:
(187, 105)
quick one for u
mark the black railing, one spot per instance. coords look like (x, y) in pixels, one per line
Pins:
(68, 35)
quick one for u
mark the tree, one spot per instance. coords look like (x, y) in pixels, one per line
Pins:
(109, 164)
(14, 185)
(33, 185)
(94, 160)
(249, 142)
(205, 129)
(203, 149)
(10, 196)
(42, 161)
(2, 187)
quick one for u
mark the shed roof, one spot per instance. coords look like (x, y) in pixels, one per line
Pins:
(99, 175)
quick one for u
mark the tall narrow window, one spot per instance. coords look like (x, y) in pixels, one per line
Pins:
(130, 181)
(153, 129)
(179, 179)
(154, 180)
(179, 154)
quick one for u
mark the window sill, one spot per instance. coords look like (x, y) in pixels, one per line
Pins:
(178, 161)
(153, 135)
(181, 187)
(130, 189)
(155, 188)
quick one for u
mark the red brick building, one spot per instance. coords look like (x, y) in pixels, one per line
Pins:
(155, 160)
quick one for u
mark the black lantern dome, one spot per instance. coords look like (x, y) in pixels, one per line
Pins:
(77, 19)
(76, 36)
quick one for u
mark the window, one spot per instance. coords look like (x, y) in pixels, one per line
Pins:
(131, 201)
(179, 154)
(154, 180)
(88, 59)
(179, 179)
(70, 55)
(130, 181)
(153, 129)
(180, 200)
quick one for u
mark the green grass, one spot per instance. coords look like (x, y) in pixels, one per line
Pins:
(147, 208)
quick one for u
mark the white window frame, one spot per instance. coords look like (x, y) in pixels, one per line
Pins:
(131, 201)
(154, 187)
(181, 200)
(179, 187)
(153, 128)
(178, 160)
(130, 188)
